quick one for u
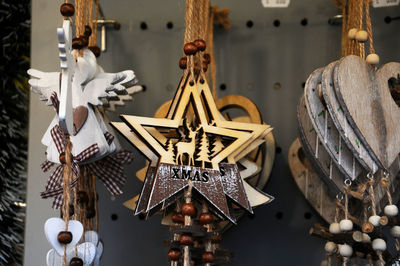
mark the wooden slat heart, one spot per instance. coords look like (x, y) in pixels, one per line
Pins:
(365, 98)
(80, 116)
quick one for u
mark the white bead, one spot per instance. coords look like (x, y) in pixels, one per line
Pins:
(324, 263)
(345, 250)
(374, 220)
(334, 228)
(352, 34)
(379, 244)
(330, 247)
(373, 59)
(361, 36)
(395, 231)
(391, 210)
(346, 225)
(366, 238)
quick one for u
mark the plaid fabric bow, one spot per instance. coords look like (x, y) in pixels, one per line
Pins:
(109, 169)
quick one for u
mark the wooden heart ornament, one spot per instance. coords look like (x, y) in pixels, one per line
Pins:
(54, 226)
(365, 97)
(80, 116)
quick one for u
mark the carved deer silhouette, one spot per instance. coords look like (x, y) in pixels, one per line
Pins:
(183, 147)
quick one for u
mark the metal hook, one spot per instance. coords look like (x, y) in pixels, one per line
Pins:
(347, 182)
(339, 196)
(370, 176)
(103, 23)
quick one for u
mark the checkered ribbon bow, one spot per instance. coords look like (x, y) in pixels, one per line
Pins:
(108, 169)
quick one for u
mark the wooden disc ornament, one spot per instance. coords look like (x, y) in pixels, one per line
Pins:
(79, 141)
(346, 161)
(194, 153)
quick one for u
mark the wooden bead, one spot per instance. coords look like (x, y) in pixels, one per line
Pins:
(67, 10)
(90, 213)
(207, 58)
(391, 210)
(183, 63)
(334, 228)
(205, 67)
(346, 225)
(324, 263)
(190, 49)
(207, 257)
(62, 157)
(178, 218)
(64, 237)
(384, 220)
(88, 31)
(362, 36)
(372, 59)
(188, 209)
(95, 50)
(367, 227)
(206, 218)
(201, 45)
(378, 244)
(85, 40)
(77, 43)
(216, 239)
(186, 239)
(395, 231)
(330, 247)
(351, 35)
(82, 197)
(366, 238)
(374, 220)
(174, 254)
(345, 250)
(75, 261)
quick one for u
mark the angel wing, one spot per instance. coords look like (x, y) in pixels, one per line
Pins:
(45, 84)
(108, 85)
(112, 103)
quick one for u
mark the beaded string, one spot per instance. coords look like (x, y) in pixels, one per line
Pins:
(187, 222)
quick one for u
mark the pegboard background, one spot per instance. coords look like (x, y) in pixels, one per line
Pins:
(264, 47)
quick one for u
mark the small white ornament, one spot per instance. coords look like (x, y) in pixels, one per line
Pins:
(391, 210)
(345, 250)
(379, 244)
(334, 228)
(361, 36)
(346, 225)
(374, 220)
(54, 226)
(372, 59)
(330, 247)
(352, 34)
(366, 238)
(395, 231)
(92, 237)
(85, 251)
(99, 254)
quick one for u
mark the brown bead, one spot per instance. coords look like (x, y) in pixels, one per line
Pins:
(95, 50)
(90, 213)
(200, 44)
(178, 218)
(75, 261)
(88, 31)
(206, 218)
(190, 48)
(64, 237)
(62, 157)
(367, 227)
(82, 197)
(208, 257)
(186, 239)
(183, 63)
(188, 209)
(67, 10)
(207, 58)
(205, 67)
(85, 40)
(216, 239)
(174, 254)
(77, 43)
(384, 220)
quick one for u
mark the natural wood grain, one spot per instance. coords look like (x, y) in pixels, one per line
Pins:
(365, 98)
